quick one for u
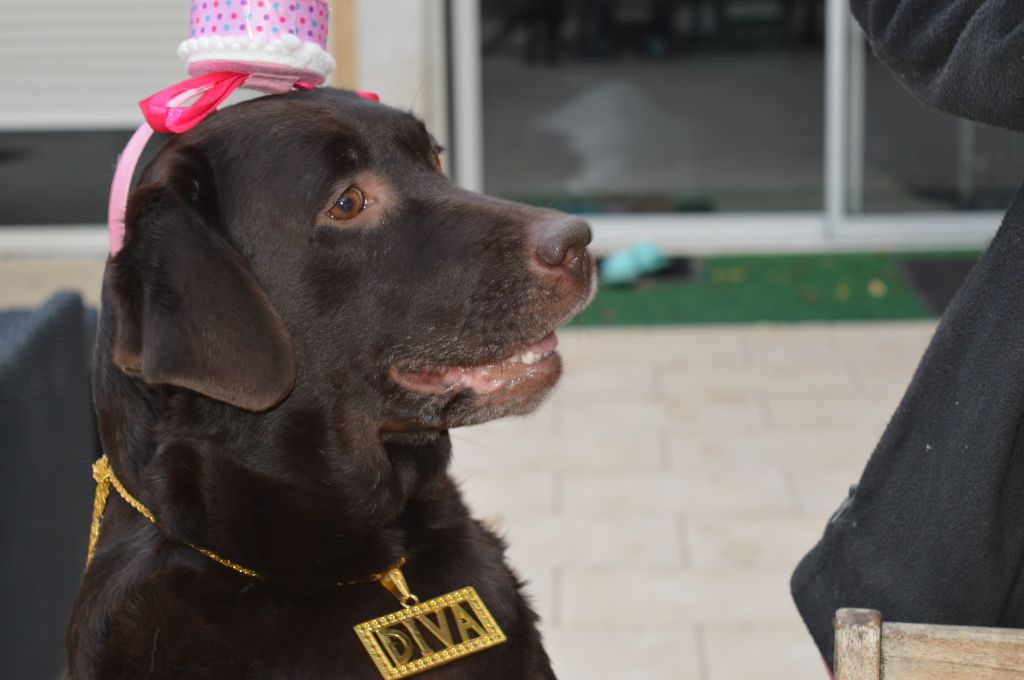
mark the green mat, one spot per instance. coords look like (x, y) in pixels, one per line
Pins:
(780, 288)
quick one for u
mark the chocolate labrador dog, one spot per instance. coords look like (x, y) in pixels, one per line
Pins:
(303, 307)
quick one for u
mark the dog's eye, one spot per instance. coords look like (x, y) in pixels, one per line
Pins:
(349, 204)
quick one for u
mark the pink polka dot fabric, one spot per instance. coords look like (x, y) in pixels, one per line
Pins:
(270, 19)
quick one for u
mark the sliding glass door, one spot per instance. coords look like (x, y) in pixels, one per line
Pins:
(730, 124)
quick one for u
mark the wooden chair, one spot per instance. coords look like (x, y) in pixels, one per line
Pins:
(867, 649)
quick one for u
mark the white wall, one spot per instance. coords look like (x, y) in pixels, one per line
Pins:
(80, 64)
(400, 56)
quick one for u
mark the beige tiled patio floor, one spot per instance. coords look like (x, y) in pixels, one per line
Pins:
(660, 499)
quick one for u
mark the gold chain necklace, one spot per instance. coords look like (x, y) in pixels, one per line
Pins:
(105, 479)
(400, 644)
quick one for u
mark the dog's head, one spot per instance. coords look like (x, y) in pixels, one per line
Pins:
(308, 246)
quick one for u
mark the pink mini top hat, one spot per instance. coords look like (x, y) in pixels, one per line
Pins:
(277, 42)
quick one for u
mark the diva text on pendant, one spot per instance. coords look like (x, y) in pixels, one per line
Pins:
(424, 635)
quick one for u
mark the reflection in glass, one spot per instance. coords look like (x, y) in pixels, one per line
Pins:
(58, 177)
(918, 159)
(654, 105)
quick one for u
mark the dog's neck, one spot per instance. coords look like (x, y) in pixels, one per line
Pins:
(303, 496)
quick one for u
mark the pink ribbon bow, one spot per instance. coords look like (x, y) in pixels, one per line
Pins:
(163, 114)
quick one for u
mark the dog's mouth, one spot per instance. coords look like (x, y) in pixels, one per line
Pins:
(534, 367)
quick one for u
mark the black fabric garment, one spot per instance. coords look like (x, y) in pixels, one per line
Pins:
(965, 57)
(934, 532)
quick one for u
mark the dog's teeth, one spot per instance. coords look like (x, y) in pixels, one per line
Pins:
(529, 358)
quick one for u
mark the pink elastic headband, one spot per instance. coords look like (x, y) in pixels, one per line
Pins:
(165, 112)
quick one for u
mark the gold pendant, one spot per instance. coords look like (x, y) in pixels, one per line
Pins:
(423, 635)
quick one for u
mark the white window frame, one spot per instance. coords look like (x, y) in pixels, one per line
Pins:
(835, 228)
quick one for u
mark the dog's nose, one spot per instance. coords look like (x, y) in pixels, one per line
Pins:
(563, 244)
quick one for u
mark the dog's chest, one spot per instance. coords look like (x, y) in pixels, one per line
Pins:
(277, 636)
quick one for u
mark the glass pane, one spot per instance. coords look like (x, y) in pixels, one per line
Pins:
(916, 158)
(58, 177)
(653, 105)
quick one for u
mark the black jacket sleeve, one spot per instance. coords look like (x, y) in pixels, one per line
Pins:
(934, 531)
(965, 57)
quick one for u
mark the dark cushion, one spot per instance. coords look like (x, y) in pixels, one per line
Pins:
(47, 443)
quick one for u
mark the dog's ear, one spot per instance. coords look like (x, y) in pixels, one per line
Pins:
(188, 310)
